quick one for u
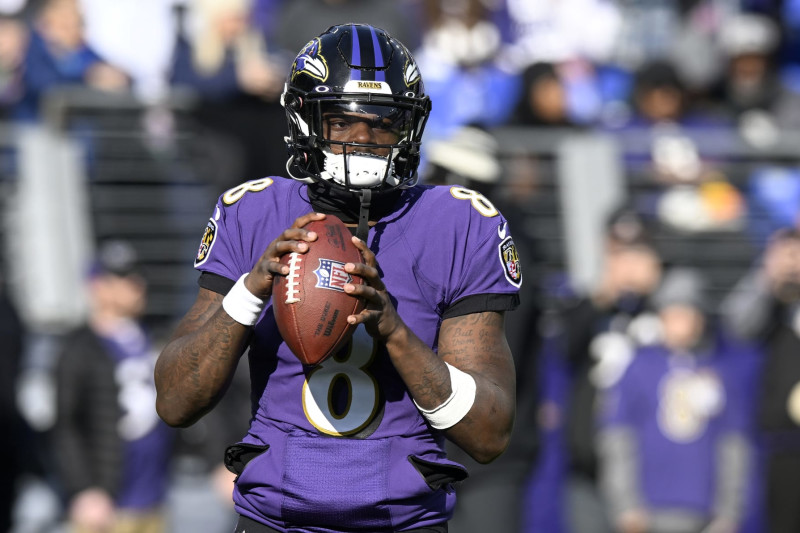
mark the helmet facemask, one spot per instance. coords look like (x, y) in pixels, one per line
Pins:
(388, 161)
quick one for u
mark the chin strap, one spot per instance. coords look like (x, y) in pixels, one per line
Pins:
(363, 214)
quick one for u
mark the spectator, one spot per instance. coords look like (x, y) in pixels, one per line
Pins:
(224, 60)
(603, 330)
(660, 96)
(111, 449)
(543, 100)
(660, 105)
(673, 443)
(58, 55)
(765, 306)
(221, 55)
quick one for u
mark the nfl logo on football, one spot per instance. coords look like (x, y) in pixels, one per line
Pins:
(331, 275)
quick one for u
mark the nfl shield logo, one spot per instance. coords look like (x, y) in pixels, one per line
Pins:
(331, 275)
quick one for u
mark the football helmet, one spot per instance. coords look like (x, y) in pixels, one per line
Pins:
(355, 72)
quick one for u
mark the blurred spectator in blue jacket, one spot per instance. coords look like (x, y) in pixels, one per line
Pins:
(674, 441)
(59, 56)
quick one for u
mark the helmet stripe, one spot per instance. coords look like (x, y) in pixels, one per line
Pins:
(376, 46)
(355, 55)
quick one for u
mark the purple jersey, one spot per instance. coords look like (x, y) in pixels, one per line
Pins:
(347, 448)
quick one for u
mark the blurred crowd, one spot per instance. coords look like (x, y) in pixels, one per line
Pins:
(646, 404)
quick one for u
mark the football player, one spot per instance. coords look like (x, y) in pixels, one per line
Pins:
(355, 443)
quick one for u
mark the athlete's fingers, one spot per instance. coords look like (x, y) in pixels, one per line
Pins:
(367, 316)
(366, 253)
(305, 219)
(365, 292)
(368, 270)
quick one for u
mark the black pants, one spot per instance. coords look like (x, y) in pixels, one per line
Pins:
(251, 526)
(782, 509)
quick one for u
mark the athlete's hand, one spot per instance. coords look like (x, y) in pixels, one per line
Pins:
(295, 239)
(379, 317)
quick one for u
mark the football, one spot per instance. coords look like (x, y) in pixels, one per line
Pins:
(310, 305)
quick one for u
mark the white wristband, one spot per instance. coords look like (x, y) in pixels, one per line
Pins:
(243, 306)
(457, 405)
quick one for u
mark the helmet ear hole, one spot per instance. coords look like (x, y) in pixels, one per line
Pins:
(291, 101)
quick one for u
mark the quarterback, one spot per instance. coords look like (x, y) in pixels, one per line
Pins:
(355, 443)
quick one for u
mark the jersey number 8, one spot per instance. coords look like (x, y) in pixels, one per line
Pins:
(348, 369)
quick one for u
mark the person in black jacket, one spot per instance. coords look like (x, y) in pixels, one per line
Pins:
(603, 329)
(110, 447)
(11, 346)
(764, 307)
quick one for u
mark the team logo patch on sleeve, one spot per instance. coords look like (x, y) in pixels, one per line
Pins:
(331, 275)
(509, 258)
(206, 243)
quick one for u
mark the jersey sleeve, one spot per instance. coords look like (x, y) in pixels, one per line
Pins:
(245, 220)
(220, 250)
(488, 264)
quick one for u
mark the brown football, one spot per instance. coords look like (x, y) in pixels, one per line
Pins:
(310, 305)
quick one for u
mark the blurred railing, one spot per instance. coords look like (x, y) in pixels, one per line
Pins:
(144, 176)
(578, 176)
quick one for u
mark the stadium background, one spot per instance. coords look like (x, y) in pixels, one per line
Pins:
(143, 156)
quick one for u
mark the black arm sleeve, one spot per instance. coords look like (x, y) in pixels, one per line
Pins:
(479, 303)
(215, 282)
